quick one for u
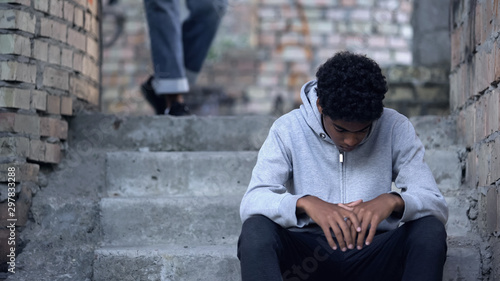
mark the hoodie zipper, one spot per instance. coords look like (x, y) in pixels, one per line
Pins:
(342, 176)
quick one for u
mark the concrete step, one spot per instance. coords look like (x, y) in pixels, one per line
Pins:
(436, 131)
(447, 170)
(162, 174)
(217, 133)
(165, 133)
(167, 263)
(446, 167)
(64, 229)
(176, 220)
(458, 221)
(219, 263)
(463, 260)
(141, 174)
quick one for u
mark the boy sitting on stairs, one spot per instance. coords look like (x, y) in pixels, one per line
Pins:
(319, 205)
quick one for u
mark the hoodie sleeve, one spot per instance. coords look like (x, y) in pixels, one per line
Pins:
(267, 193)
(418, 187)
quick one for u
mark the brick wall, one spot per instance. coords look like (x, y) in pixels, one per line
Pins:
(127, 63)
(417, 90)
(295, 37)
(431, 33)
(229, 69)
(475, 99)
(266, 50)
(49, 68)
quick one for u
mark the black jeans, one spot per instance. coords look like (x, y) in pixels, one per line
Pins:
(269, 252)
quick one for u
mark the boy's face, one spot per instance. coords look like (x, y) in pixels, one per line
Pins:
(346, 135)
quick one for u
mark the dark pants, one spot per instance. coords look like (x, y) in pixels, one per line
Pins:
(179, 48)
(414, 251)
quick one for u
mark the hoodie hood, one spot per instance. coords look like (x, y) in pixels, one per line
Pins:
(309, 109)
(311, 115)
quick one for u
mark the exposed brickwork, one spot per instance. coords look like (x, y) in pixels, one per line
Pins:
(417, 90)
(475, 98)
(44, 47)
(266, 50)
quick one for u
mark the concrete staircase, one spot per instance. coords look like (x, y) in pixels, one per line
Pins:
(154, 229)
(174, 215)
(157, 198)
(446, 159)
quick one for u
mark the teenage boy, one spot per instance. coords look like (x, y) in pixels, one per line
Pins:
(319, 205)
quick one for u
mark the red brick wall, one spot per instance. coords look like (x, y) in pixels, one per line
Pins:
(295, 37)
(49, 66)
(475, 98)
(49, 69)
(230, 68)
(264, 49)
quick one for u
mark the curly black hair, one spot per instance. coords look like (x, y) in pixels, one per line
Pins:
(351, 88)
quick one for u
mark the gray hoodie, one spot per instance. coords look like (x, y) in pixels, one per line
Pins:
(298, 159)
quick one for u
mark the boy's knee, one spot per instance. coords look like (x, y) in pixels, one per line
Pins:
(257, 232)
(430, 226)
(257, 227)
(428, 232)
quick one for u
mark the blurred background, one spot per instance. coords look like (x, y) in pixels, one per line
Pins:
(266, 49)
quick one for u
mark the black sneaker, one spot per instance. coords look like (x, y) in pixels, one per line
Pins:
(179, 109)
(157, 102)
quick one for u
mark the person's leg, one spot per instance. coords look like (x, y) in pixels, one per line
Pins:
(269, 252)
(169, 82)
(382, 260)
(163, 17)
(425, 250)
(414, 251)
(198, 32)
(257, 249)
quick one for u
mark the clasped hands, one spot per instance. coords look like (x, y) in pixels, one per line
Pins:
(350, 222)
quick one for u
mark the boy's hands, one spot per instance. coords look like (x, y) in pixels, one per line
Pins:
(360, 215)
(372, 212)
(350, 207)
(330, 217)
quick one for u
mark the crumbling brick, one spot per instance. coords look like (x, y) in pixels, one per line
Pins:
(52, 127)
(39, 100)
(14, 98)
(28, 124)
(53, 104)
(14, 146)
(55, 78)
(66, 106)
(24, 172)
(16, 19)
(15, 44)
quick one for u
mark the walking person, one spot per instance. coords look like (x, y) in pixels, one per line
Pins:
(178, 49)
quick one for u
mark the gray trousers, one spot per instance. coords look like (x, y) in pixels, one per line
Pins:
(178, 49)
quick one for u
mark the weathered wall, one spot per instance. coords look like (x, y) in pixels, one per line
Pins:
(417, 90)
(266, 50)
(230, 67)
(431, 40)
(475, 98)
(295, 37)
(231, 63)
(49, 69)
